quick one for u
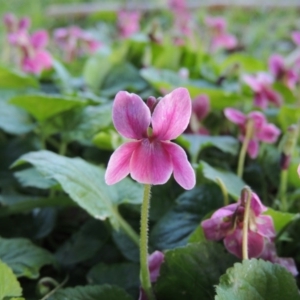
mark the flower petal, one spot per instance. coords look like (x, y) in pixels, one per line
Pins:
(273, 96)
(201, 106)
(265, 226)
(276, 65)
(154, 262)
(260, 100)
(253, 148)
(256, 206)
(119, 163)
(39, 39)
(150, 163)
(130, 115)
(172, 114)
(183, 172)
(235, 116)
(252, 82)
(258, 118)
(269, 133)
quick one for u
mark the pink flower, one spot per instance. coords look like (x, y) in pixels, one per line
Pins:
(296, 37)
(262, 130)
(270, 254)
(221, 38)
(128, 23)
(261, 84)
(12, 23)
(150, 157)
(154, 262)
(75, 42)
(281, 72)
(227, 223)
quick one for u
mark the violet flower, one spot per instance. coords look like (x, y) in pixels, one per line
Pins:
(227, 223)
(13, 24)
(34, 57)
(221, 38)
(281, 73)
(150, 157)
(75, 42)
(128, 23)
(154, 262)
(263, 131)
(261, 84)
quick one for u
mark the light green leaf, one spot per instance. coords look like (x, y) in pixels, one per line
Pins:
(257, 279)
(10, 79)
(191, 272)
(23, 257)
(85, 184)
(91, 292)
(45, 106)
(281, 219)
(9, 285)
(14, 120)
(288, 114)
(232, 182)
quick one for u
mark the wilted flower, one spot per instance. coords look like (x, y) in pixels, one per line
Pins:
(262, 131)
(75, 42)
(221, 38)
(150, 157)
(281, 72)
(227, 223)
(261, 84)
(128, 22)
(154, 262)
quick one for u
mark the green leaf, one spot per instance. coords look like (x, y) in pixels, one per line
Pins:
(232, 182)
(84, 244)
(288, 114)
(23, 257)
(175, 227)
(281, 219)
(32, 178)
(257, 279)
(195, 143)
(125, 275)
(85, 184)
(91, 292)
(107, 140)
(9, 285)
(285, 92)
(192, 271)
(247, 63)
(45, 106)
(14, 120)
(10, 79)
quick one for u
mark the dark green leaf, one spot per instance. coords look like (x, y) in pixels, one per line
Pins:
(91, 292)
(257, 279)
(23, 257)
(192, 271)
(174, 228)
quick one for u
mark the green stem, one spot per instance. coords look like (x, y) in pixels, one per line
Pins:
(249, 133)
(282, 189)
(246, 193)
(144, 272)
(63, 148)
(224, 191)
(128, 229)
(56, 288)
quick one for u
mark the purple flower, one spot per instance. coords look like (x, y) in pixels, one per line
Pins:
(270, 254)
(296, 37)
(281, 73)
(261, 84)
(150, 157)
(154, 262)
(12, 23)
(262, 131)
(128, 23)
(227, 223)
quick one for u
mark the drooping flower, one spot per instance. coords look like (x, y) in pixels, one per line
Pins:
(262, 131)
(281, 73)
(128, 23)
(34, 57)
(154, 262)
(270, 254)
(150, 157)
(221, 38)
(227, 223)
(75, 42)
(261, 84)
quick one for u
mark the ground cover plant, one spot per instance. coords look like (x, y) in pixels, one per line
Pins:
(150, 155)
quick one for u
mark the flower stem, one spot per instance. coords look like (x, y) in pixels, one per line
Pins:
(224, 191)
(249, 133)
(246, 194)
(144, 272)
(282, 189)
